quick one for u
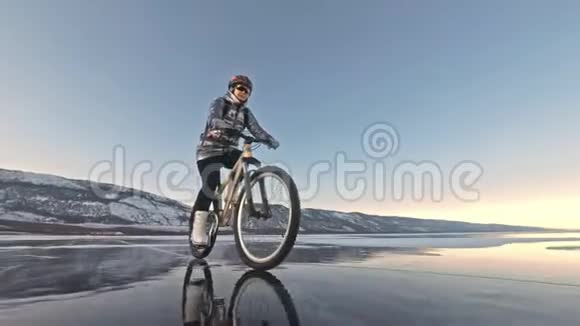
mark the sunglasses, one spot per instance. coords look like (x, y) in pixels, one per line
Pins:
(243, 89)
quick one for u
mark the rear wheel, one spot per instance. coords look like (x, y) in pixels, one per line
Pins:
(264, 240)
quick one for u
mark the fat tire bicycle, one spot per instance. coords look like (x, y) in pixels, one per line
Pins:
(243, 198)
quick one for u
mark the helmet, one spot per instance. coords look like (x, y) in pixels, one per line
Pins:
(240, 80)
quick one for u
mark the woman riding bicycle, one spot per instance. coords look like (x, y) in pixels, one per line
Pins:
(218, 147)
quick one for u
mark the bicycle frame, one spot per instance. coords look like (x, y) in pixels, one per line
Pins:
(240, 171)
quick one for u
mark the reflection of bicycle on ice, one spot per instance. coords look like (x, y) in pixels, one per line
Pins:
(258, 298)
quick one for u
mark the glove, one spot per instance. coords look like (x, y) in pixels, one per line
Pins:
(273, 143)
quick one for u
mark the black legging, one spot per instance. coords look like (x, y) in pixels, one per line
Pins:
(209, 170)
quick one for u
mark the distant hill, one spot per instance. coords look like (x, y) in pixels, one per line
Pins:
(41, 202)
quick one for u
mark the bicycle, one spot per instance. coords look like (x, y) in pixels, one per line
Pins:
(247, 305)
(239, 201)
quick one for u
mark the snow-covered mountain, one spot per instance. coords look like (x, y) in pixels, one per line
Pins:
(41, 198)
(327, 221)
(32, 197)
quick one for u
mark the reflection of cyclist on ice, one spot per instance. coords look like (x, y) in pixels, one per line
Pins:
(258, 298)
(228, 116)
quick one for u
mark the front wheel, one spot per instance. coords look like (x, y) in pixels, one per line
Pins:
(265, 234)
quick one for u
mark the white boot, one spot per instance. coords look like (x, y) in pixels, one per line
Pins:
(198, 233)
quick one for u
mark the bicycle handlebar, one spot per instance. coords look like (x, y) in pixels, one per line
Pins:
(247, 138)
(250, 139)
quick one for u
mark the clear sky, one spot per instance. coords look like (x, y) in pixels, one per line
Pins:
(495, 82)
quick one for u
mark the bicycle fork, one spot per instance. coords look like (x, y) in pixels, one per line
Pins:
(265, 212)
